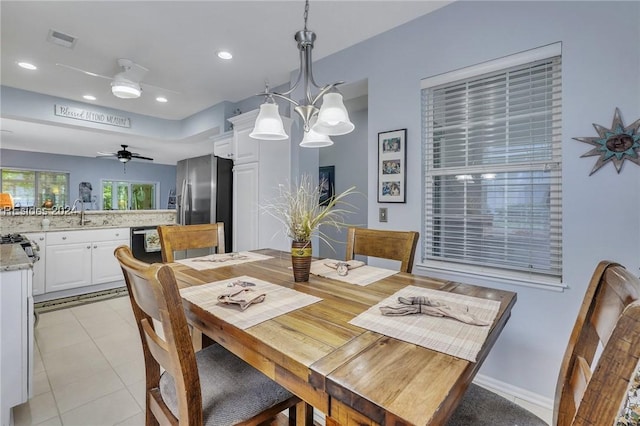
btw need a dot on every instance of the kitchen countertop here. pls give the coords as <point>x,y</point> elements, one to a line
<point>32,221</point>
<point>13,258</point>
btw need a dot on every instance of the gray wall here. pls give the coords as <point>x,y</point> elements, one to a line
<point>93,170</point>
<point>347,155</point>
<point>601,71</point>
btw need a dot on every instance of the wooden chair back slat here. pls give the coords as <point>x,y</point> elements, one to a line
<point>590,393</point>
<point>394,245</point>
<point>154,294</point>
<point>616,295</point>
<point>185,237</point>
<point>610,381</point>
<point>157,347</point>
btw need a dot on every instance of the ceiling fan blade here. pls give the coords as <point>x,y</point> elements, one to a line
<point>92,74</point>
<point>107,154</point>
<point>164,89</point>
<point>141,157</point>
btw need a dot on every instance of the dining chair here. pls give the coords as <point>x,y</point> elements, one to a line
<point>590,388</point>
<point>394,245</point>
<point>185,237</point>
<point>210,387</point>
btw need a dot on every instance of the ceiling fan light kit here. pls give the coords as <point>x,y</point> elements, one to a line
<point>125,89</point>
<point>332,119</point>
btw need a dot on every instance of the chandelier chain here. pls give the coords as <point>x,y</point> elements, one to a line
<point>306,14</point>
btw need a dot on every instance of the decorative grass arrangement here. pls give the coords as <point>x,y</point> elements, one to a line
<point>298,208</point>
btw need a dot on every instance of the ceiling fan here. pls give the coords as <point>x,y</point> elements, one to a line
<point>127,84</point>
<point>124,155</point>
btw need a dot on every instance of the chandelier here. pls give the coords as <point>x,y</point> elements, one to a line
<point>331,119</point>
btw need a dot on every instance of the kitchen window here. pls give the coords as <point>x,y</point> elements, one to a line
<point>492,168</point>
<point>124,195</point>
<point>32,188</point>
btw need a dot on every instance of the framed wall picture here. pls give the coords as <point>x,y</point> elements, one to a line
<point>392,165</point>
<point>326,183</point>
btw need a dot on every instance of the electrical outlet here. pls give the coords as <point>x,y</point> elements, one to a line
<point>382,215</point>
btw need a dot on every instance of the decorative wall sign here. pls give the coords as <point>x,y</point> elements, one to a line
<point>93,116</point>
<point>616,144</point>
<point>392,165</point>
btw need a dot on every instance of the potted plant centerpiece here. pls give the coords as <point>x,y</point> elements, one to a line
<point>299,209</point>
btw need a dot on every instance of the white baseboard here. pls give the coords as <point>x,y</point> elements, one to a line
<point>514,391</point>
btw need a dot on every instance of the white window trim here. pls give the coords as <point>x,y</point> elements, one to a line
<point>516,59</point>
<point>462,273</point>
<point>456,271</point>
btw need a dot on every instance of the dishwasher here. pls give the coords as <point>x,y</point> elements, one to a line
<point>145,244</point>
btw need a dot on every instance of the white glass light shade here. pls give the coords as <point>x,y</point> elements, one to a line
<point>125,89</point>
<point>314,139</point>
<point>269,124</point>
<point>333,118</point>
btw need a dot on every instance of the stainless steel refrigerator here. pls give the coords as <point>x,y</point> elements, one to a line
<point>204,193</point>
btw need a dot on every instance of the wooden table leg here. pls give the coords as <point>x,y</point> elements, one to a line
<point>304,414</point>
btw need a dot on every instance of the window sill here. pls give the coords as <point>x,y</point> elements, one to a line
<point>487,277</point>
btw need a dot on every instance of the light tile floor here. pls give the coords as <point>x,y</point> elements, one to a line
<point>89,369</point>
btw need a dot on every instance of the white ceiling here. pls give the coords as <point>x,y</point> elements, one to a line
<point>176,41</point>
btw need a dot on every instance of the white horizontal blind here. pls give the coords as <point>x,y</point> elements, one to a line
<point>492,187</point>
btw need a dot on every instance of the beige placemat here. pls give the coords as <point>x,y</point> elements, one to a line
<point>364,275</point>
<point>279,300</point>
<point>223,259</point>
<point>441,334</point>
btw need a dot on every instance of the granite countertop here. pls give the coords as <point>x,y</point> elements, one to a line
<point>13,258</point>
<point>38,221</point>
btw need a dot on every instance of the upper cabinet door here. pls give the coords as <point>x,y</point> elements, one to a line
<point>223,145</point>
<point>246,149</point>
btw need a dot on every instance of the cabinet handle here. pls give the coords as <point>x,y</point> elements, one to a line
<point>117,235</point>
<point>41,238</point>
<point>88,247</point>
<point>64,238</point>
<point>95,246</point>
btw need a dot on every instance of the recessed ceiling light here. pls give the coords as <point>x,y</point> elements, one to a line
<point>89,97</point>
<point>27,66</point>
<point>162,99</point>
<point>223,54</point>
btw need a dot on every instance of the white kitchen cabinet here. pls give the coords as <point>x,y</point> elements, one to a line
<point>246,149</point>
<point>16,340</point>
<point>83,258</point>
<point>104,265</point>
<point>259,168</point>
<point>39,240</point>
<point>245,214</point>
<point>223,145</point>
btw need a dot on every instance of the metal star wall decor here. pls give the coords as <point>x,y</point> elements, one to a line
<point>616,144</point>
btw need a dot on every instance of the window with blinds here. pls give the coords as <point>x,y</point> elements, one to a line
<point>492,181</point>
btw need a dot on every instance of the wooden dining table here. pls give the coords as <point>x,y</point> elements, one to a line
<point>351,374</point>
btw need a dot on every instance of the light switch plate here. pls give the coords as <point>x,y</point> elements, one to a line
<point>382,214</point>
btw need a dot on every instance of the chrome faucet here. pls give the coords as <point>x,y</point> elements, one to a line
<point>83,220</point>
